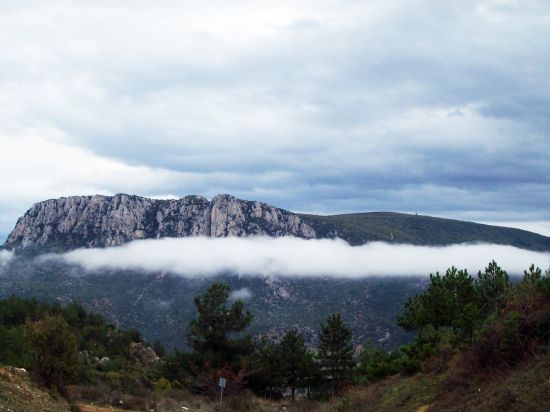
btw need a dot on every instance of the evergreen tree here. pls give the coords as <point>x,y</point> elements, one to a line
<point>336,351</point>
<point>294,361</point>
<point>533,275</point>
<point>493,287</point>
<point>210,335</point>
<point>268,377</point>
<point>450,301</point>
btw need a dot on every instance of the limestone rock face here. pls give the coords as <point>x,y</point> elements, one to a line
<point>100,221</point>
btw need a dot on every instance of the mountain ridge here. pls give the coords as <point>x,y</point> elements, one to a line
<point>101,221</point>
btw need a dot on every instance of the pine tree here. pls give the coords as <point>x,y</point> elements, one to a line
<point>493,287</point>
<point>210,334</point>
<point>294,361</point>
<point>450,301</point>
<point>336,351</point>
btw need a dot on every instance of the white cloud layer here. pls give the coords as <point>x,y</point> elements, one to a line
<point>288,256</point>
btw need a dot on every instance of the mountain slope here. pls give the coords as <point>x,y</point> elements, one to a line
<point>161,306</point>
<point>359,228</point>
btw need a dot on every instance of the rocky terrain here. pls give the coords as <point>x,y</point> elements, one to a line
<point>100,221</point>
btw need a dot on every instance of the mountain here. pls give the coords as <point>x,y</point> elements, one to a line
<point>100,221</point>
<point>160,304</point>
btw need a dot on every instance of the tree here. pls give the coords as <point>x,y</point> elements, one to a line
<point>535,277</point>
<point>450,301</point>
<point>53,350</point>
<point>294,361</point>
<point>268,376</point>
<point>493,288</point>
<point>211,335</point>
<point>336,351</point>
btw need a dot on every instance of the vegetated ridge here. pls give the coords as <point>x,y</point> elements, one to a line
<point>359,228</point>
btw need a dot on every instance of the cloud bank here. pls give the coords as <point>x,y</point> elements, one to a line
<point>288,256</point>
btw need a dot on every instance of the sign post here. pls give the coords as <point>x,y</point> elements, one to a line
<point>221,384</point>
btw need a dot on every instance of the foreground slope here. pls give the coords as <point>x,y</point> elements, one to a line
<point>19,393</point>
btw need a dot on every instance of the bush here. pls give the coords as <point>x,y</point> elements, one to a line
<point>53,352</point>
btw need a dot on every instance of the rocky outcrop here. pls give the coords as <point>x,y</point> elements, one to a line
<point>99,221</point>
<point>143,354</point>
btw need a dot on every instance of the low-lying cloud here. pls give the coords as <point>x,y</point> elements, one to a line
<point>288,256</point>
<point>240,294</point>
<point>5,257</point>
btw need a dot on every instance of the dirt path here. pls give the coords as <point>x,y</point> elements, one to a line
<point>95,408</point>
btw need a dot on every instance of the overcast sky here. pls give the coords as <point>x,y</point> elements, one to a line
<point>441,108</point>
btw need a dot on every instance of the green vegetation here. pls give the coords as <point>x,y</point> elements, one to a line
<point>470,331</point>
<point>52,349</point>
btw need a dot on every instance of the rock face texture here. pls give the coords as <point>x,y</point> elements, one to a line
<point>99,221</point>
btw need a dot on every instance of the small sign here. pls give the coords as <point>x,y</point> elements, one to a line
<point>222,382</point>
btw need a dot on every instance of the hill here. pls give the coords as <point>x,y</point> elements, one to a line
<point>359,228</point>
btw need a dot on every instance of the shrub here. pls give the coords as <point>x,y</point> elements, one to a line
<point>54,356</point>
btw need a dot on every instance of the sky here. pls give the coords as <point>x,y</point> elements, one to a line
<point>438,108</point>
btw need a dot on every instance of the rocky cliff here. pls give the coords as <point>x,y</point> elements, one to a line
<point>99,221</point>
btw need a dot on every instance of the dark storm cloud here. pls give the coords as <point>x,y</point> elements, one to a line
<point>329,106</point>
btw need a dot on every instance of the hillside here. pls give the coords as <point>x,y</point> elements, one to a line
<point>160,305</point>
<point>18,393</point>
<point>359,228</point>
<point>523,388</point>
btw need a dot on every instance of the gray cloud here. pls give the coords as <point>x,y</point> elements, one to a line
<point>296,257</point>
<point>322,106</point>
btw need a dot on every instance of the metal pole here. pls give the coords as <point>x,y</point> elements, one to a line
<point>221,395</point>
